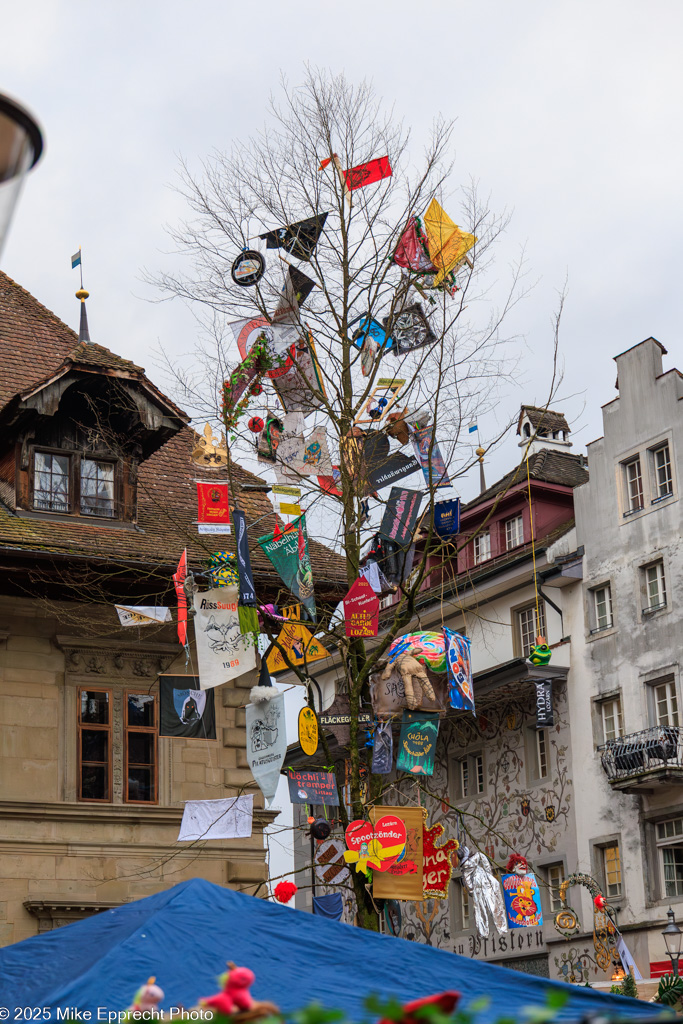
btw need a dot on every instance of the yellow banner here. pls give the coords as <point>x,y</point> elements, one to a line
<point>404,879</point>
<point>299,643</point>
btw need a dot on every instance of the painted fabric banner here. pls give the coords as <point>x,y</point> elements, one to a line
<point>459,668</point>
<point>289,554</point>
<point>230,818</point>
<point>142,614</point>
<point>438,861</point>
<point>247,591</point>
<point>361,610</point>
<point>422,441</point>
<point>383,749</point>
<point>312,787</point>
<point>266,742</point>
<point>222,652</point>
<point>447,517</point>
<point>544,703</point>
<point>184,709</point>
<point>213,507</point>
<point>522,901</point>
<point>403,880</point>
<point>417,743</point>
<point>400,516</point>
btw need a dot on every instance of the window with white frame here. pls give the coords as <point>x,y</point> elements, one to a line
<point>633,484</point>
<point>611,868</point>
<point>463,768</point>
<point>555,877</point>
<point>470,778</point>
<point>482,547</point>
<point>661,466</point>
<point>612,719</point>
<point>602,608</point>
<point>97,488</point>
<point>464,907</point>
<point>665,702</point>
<point>670,849</point>
<point>530,625</point>
<point>514,532</point>
<point>538,755</point>
<point>478,772</point>
<point>655,586</point>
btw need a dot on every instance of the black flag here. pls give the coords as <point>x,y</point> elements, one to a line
<point>544,703</point>
<point>299,239</point>
<point>185,710</point>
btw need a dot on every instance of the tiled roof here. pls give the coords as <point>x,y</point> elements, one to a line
<point>545,419</point>
<point>548,465</point>
<point>34,345</point>
<point>33,341</point>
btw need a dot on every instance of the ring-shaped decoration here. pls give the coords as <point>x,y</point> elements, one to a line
<point>248,268</point>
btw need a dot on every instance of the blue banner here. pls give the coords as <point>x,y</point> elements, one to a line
<point>522,901</point>
<point>447,517</point>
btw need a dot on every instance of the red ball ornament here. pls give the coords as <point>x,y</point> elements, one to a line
<point>284,891</point>
<point>256,424</point>
<point>600,901</point>
<point>256,389</point>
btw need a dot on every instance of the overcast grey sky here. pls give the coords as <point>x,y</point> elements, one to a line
<point>568,114</point>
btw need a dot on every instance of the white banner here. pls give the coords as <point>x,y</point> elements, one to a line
<point>222,652</point>
<point>142,615</point>
<point>230,818</point>
<point>213,528</point>
<point>266,743</point>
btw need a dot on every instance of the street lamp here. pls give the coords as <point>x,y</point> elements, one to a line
<point>21,143</point>
<point>672,937</point>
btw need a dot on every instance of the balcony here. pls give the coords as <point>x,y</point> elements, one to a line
<point>632,763</point>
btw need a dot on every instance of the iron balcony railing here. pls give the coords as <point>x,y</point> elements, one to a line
<point>643,752</point>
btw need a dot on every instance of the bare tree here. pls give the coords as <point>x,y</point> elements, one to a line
<point>295,169</point>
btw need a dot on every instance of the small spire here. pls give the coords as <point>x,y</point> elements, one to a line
<point>83,332</point>
<point>480,453</point>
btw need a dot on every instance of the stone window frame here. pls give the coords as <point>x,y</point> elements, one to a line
<point>110,665</point>
<point>645,453</point>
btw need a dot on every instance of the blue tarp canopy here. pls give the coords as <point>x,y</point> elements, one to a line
<point>184,936</point>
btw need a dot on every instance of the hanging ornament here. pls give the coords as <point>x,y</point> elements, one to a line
<point>248,268</point>
<point>320,829</point>
<point>255,390</point>
<point>284,891</point>
<point>540,653</point>
<point>256,424</point>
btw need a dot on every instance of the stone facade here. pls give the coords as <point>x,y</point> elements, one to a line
<point>61,859</point>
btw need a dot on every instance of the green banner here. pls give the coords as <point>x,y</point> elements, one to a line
<point>417,744</point>
<point>288,551</point>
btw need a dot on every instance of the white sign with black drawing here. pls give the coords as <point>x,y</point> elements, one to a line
<point>222,652</point>
<point>266,742</point>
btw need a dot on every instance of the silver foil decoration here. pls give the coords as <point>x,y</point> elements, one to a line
<point>485,892</point>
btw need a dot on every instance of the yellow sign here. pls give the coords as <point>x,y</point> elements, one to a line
<point>299,643</point>
<point>308,731</point>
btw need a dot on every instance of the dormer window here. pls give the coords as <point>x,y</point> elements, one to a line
<point>51,483</point>
<point>97,488</point>
<point>70,484</point>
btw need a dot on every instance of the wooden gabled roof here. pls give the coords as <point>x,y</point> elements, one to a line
<point>35,346</point>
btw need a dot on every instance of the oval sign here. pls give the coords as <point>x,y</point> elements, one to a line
<point>248,268</point>
<point>308,731</point>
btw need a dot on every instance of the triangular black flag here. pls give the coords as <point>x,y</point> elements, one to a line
<point>299,239</point>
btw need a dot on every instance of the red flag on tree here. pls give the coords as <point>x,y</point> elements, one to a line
<point>179,577</point>
<point>367,174</point>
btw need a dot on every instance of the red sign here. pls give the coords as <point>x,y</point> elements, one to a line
<point>361,610</point>
<point>212,500</point>
<point>378,846</point>
<point>367,174</point>
<point>438,862</point>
